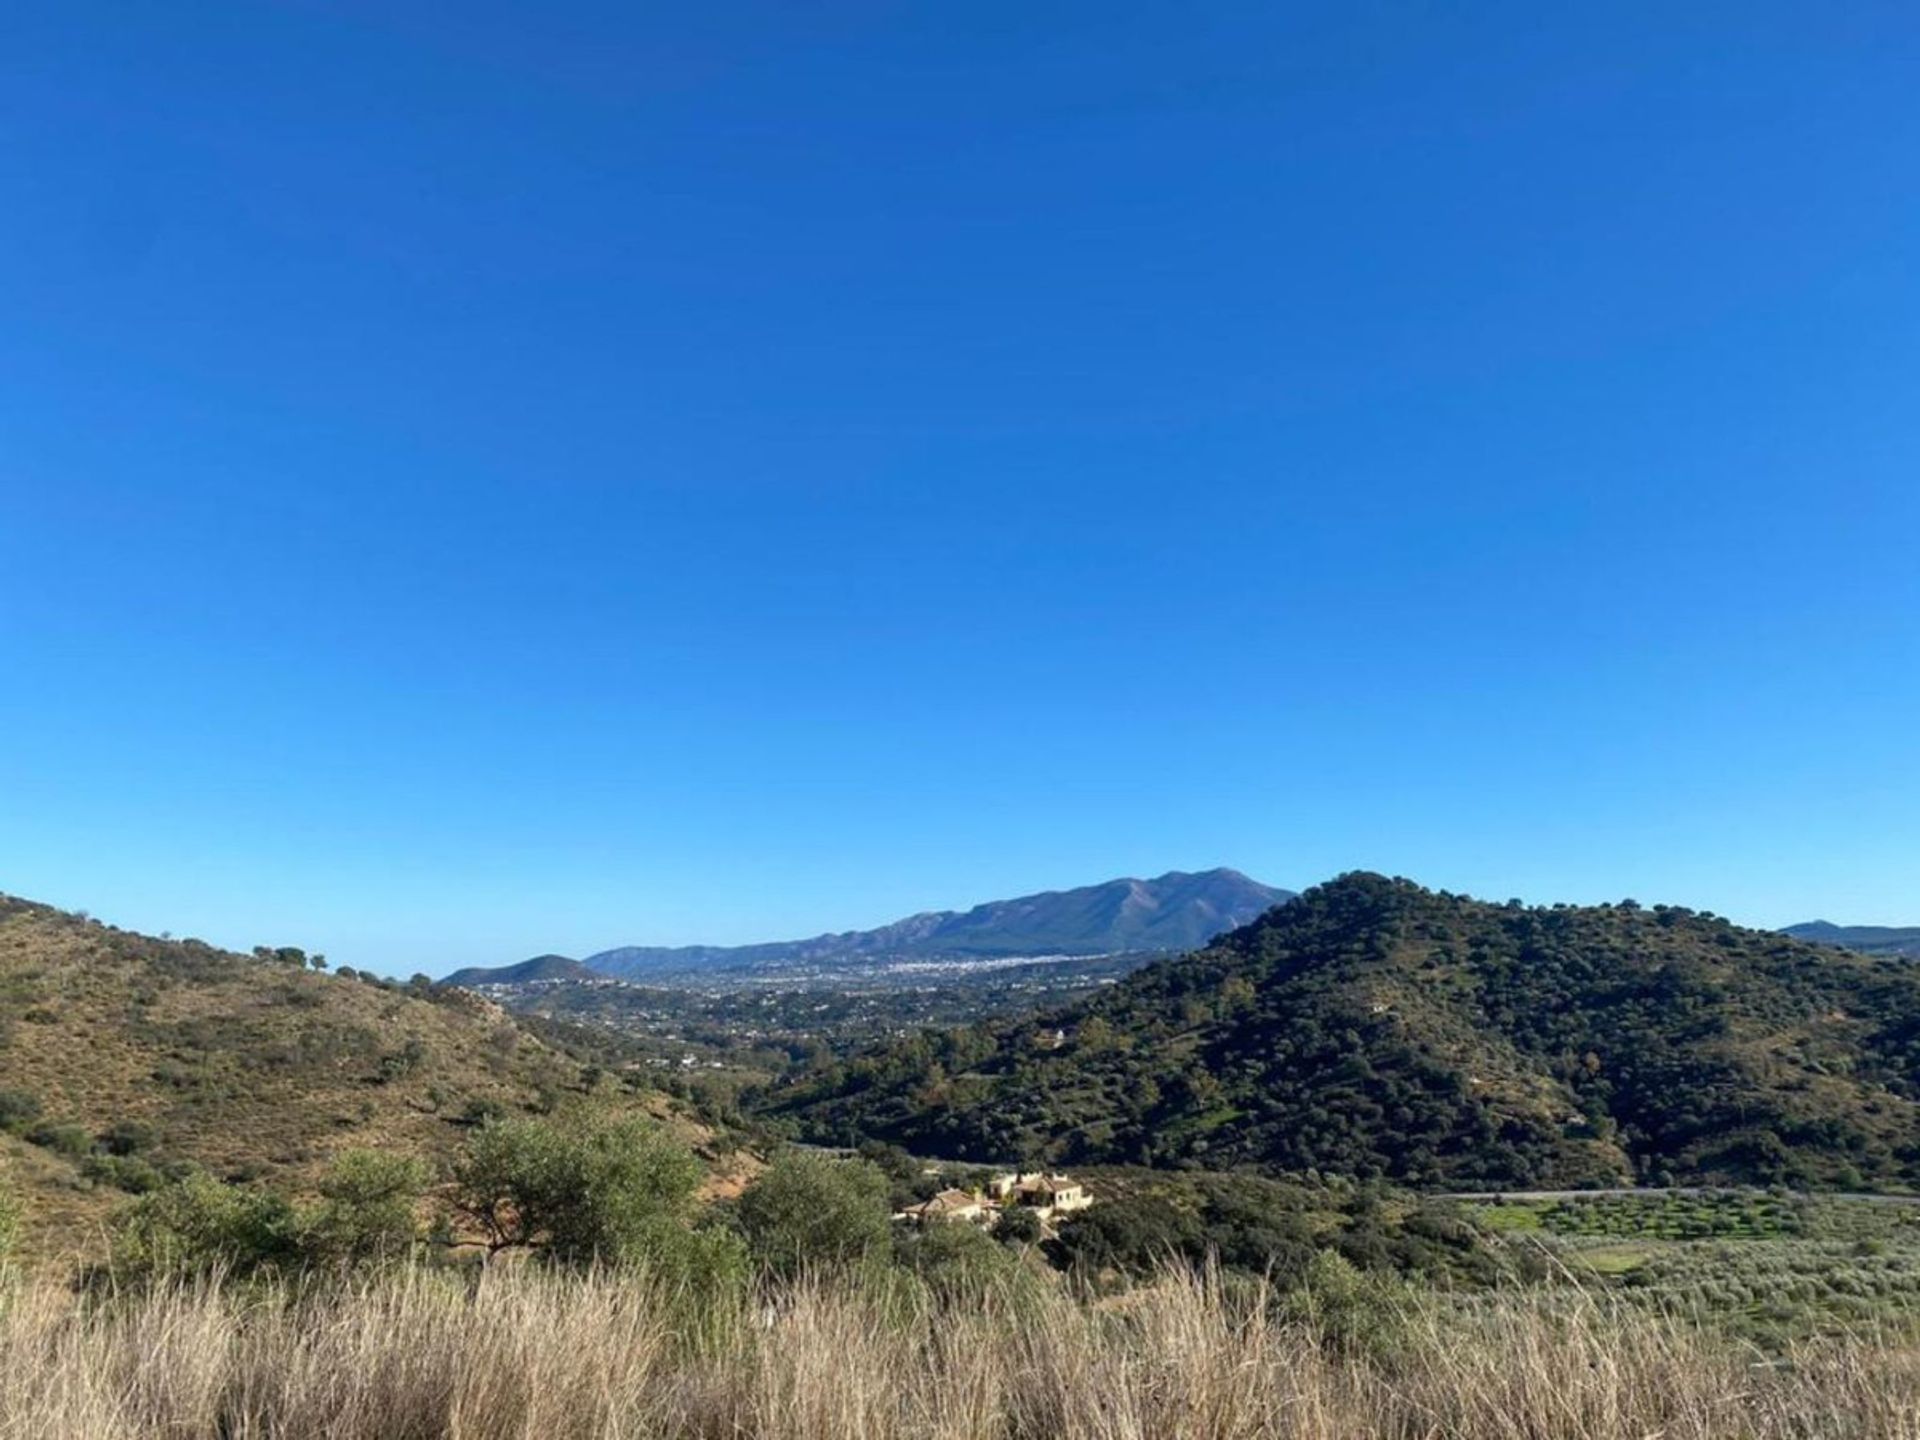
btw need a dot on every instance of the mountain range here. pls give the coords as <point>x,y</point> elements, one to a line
<point>1372,1027</point>
<point>1869,939</point>
<point>1172,912</point>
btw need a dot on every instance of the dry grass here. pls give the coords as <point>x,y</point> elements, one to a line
<point>533,1356</point>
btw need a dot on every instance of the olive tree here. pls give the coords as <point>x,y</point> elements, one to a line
<point>580,1188</point>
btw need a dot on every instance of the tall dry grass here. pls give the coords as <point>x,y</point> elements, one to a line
<point>542,1357</point>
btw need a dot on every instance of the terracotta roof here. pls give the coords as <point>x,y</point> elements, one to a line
<point>1050,1185</point>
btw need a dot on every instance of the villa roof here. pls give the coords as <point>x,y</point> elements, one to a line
<point>1050,1185</point>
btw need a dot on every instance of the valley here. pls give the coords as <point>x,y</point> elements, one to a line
<point>1369,1109</point>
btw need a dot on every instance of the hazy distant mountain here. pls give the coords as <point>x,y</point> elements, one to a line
<point>1871,939</point>
<point>1176,911</point>
<point>540,967</point>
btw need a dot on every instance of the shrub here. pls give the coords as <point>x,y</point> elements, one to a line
<point>956,1260</point>
<point>1347,1308</point>
<point>129,1137</point>
<point>18,1110</point>
<point>126,1172</point>
<point>200,1226</point>
<point>73,1141</point>
<point>398,1064</point>
<point>908,1185</point>
<point>812,1212</point>
<point>482,1110</point>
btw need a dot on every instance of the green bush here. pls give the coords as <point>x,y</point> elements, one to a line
<point>129,1137</point>
<point>811,1212</point>
<point>1347,1307</point>
<point>125,1172</point>
<point>957,1260</point>
<point>368,1210</point>
<point>483,1110</point>
<point>581,1188</point>
<point>73,1141</point>
<point>201,1226</point>
<point>1019,1225</point>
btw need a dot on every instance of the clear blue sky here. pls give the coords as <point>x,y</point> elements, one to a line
<point>478,479</point>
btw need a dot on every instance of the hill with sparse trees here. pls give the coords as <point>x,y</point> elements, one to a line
<point>127,1061</point>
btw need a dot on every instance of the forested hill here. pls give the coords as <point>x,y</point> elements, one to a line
<point>1373,1027</point>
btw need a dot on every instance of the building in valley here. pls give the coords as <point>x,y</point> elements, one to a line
<point>1048,1196</point>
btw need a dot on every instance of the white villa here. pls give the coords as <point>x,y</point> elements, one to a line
<point>1047,1195</point>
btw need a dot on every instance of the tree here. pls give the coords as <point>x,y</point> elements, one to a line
<point>1095,1035</point>
<point>956,1259</point>
<point>907,1184</point>
<point>1138,1234</point>
<point>581,1187</point>
<point>1236,995</point>
<point>368,1210</point>
<point>1019,1225</point>
<point>809,1211</point>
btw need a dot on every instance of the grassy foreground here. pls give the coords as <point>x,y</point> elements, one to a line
<point>529,1354</point>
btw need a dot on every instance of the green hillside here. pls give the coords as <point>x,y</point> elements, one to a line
<point>539,968</point>
<point>1373,1027</point>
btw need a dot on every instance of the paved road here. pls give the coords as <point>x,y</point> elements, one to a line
<point>1528,1195</point>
